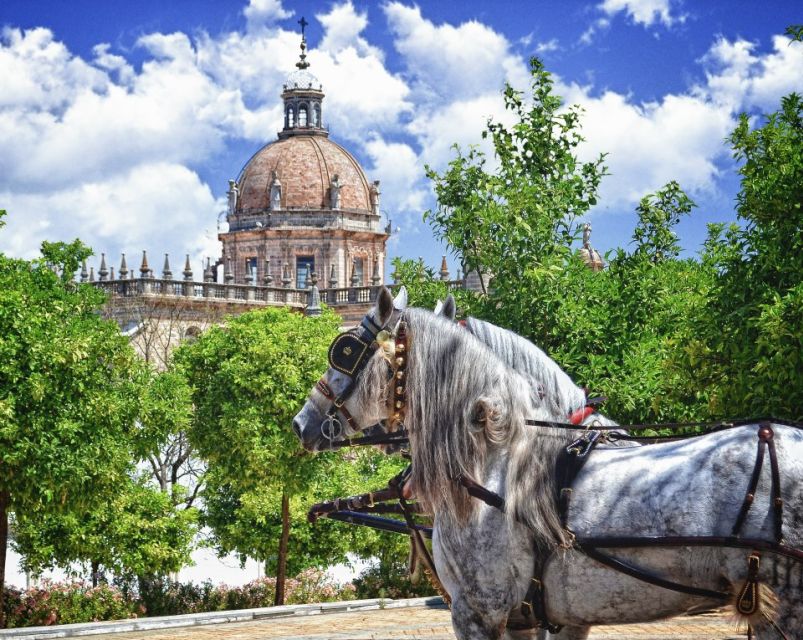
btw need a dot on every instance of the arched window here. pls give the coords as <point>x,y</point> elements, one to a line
<point>291,119</point>
<point>302,116</point>
<point>316,116</point>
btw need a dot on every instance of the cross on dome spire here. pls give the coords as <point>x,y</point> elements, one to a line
<point>302,63</point>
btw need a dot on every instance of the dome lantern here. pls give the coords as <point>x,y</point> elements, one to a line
<point>303,98</point>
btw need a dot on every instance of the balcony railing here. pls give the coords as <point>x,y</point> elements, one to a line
<point>225,293</point>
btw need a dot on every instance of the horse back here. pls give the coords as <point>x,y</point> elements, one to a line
<point>690,487</point>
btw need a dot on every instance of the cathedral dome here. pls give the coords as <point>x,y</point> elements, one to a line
<point>307,167</point>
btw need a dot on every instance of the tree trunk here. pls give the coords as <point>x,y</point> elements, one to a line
<point>281,565</point>
<point>3,547</point>
<point>95,573</point>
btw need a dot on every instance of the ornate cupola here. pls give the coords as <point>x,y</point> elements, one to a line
<point>302,204</point>
<point>303,96</point>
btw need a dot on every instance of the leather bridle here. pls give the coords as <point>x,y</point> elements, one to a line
<point>349,354</point>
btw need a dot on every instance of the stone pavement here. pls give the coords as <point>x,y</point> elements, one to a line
<point>432,623</point>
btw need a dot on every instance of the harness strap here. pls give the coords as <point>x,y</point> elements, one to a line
<point>568,464</point>
<point>382,438</point>
<point>416,540</point>
<point>337,404</point>
<point>777,500</point>
<point>751,488</point>
<point>534,604</point>
<point>646,576</point>
<point>476,490</point>
<point>766,440</point>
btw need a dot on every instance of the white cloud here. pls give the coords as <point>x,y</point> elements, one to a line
<point>600,24</point>
<point>739,78</point>
<point>262,13</point>
<point>40,74</point>
<point>84,125</point>
<point>644,12</point>
<point>361,95</point>
<point>460,122</point>
<point>343,26</point>
<point>160,207</point>
<point>679,138</point>
<point>441,64</point>
<point>547,47</point>
<point>112,63</point>
<point>401,172</point>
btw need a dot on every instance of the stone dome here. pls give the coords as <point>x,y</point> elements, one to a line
<point>306,166</point>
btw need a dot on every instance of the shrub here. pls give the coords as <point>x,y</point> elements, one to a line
<point>160,597</point>
<point>391,580</point>
<point>65,603</point>
<point>314,585</point>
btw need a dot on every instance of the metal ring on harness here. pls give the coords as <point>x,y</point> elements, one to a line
<point>331,427</point>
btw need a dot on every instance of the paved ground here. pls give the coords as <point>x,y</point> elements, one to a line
<point>418,622</point>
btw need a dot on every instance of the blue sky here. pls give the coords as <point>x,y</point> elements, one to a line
<point>121,122</point>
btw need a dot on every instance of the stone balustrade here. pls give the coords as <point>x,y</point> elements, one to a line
<point>205,291</point>
<point>286,219</point>
<point>348,301</point>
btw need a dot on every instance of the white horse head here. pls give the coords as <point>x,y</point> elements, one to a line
<point>336,407</point>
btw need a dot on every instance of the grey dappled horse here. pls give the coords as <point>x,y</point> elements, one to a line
<point>465,412</point>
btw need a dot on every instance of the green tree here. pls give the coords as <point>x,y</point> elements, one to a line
<point>424,288</point>
<point>146,528</point>
<point>522,213</point>
<point>69,392</point>
<point>612,330</point>
<point>249,378</point>
<point>658,213</point>
<point>747,342</point>
<point>139,532</point>
<point>162,444</point>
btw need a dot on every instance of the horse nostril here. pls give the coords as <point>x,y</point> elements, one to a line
<point>297,427</point>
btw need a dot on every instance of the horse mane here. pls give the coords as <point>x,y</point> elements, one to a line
<point>552,385</point>
<point>466,407</point>
<point>556,389</point>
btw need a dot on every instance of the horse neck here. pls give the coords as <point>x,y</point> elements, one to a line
<point>465,411</point>
<point>554,388</point>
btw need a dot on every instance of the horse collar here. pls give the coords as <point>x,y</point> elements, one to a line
<point>399,376</point>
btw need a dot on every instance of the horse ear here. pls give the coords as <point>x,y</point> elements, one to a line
<point>449,309</point>
<point>384,306</point>
<point>438,308</point>
<point>400,301</point>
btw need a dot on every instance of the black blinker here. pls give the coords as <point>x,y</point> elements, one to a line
<point>346,353</point>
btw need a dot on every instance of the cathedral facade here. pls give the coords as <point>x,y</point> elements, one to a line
<point>304,227</point>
